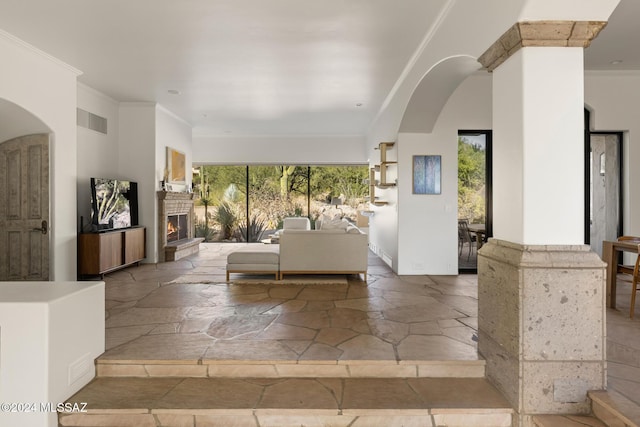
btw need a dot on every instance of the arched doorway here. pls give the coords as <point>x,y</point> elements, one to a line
<point>24,195</point>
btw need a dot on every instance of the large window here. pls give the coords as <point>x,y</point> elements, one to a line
<point>246,203</point>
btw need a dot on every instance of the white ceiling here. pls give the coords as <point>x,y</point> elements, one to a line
<point>256,67</point>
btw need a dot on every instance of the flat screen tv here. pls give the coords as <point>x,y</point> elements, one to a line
<point>114,204</point>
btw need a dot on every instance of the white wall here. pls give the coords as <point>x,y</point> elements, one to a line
<point>174,132</point>
<point>482,26</point>
<point>427,224</point>
<point>137,160</point>
<point>46,88</point>
<point>97,152</point>
<point>134,148</point>
<point>426,232</point>
<point>279,150</point>
<point>614,101</point>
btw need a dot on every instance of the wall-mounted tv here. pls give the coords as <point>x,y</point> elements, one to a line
<point>114,204</point>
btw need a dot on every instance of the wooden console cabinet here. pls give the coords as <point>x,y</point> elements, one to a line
<point>100,253</point>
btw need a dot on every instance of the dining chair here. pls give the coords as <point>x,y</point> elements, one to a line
<point>633,270</point>
<point>634,285</point>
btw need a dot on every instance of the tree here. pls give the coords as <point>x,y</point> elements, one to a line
<point>334,181</point>
<point>471,181</point>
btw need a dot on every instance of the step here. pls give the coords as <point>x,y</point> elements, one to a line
<point>567,421</point>
<point>614,409</point>
<point>204,368</point>
<point>281,402</point>
<point>610,409</point>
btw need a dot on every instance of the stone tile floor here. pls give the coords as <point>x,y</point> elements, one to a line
<point>184,311</point>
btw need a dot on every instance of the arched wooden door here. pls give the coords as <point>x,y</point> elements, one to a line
<point>24,208</point>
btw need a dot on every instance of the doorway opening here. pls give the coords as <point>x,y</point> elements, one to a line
<point>475,218</point>
<point>603,187</point>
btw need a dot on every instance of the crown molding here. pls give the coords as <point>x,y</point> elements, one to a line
<point>612,73</point>
<point>97,93</point>
<point>31,48</point>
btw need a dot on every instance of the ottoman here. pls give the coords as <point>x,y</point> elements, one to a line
<point>254,261</point>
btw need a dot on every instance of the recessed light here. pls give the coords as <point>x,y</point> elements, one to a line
<point>359,104</point>
<point>174,91</point>
<point>616,62</point>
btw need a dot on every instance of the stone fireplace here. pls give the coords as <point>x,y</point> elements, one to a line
<point>176,226</point>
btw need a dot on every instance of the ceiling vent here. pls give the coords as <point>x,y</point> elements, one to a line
<point>91,121</point>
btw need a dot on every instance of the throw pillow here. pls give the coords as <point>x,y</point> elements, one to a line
<point>352,229</point>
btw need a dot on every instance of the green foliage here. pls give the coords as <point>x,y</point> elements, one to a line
<point>471,181</point>
<point>215,180</point>
<point>335,181</point>
<point>232,194</point>
<point>255,229</point>
<point>203,230</point>
<point>226,216</point>
<point>275,192</point>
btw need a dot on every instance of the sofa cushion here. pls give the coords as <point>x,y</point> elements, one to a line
<point>296,223</point>
<point>253,257</point>
<point>329,223</point>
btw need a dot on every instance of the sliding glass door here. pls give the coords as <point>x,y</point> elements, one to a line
<point>474,196</point>
<point>249,202</point>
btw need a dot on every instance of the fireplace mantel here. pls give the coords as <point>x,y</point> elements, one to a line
<point>174,203</point>
<point>172,195</point>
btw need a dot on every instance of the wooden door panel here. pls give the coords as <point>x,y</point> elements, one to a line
<point>24,208</point>
<point>14,247</point>
<point>34,182</point>
<point>35,269</point>
<point>14,200</point>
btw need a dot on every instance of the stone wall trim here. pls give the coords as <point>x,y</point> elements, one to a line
<point>540,34</point>
<point>542,256</point>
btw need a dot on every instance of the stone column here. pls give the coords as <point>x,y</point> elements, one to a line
<point>541,325</point>
<point>541,310</point>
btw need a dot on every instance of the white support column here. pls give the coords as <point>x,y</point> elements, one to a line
<point>538,145</point>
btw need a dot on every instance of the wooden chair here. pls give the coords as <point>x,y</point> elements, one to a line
<point>634,271</point>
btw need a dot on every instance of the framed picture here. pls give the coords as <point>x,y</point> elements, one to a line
<point>176,167</point>
<point>426,174</point>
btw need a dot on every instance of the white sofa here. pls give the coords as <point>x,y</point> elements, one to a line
<point>296,223</point>
<point>330,251</point>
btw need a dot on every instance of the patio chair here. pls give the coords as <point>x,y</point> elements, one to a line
<point>465,236</point>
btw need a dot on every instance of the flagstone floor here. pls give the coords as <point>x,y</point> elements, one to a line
<point>184,310</point>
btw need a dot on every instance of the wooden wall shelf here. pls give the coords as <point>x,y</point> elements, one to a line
<point>382,169</point>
